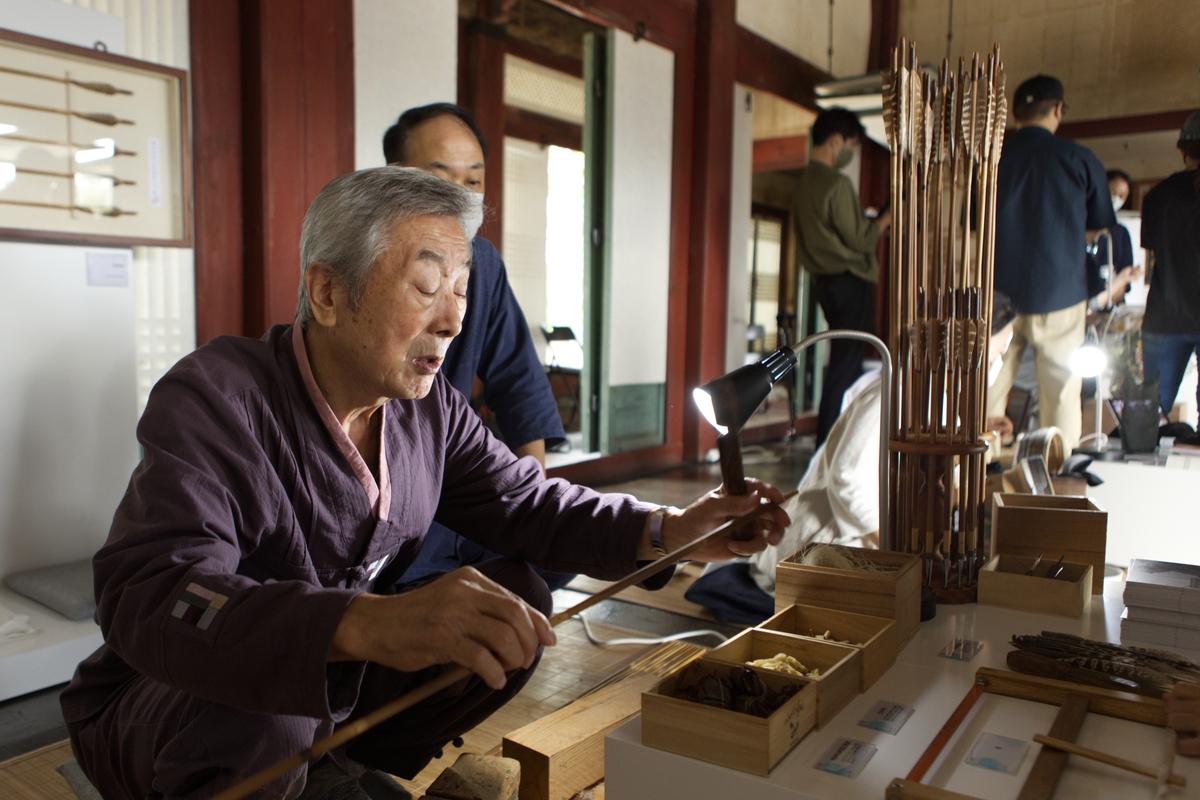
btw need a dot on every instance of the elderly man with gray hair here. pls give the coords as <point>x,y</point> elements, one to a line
<point>243,591</point>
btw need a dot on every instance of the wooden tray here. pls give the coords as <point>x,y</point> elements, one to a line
<point>727,738</point>
<point>840,665</point>
<point>1003,583</point>
<point>1054,525</point>
<point>894,595</point>
<point>874,637</point>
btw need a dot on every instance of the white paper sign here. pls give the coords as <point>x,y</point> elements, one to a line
<point>886,716</point>
<point>154,197</point>
<point>846,757</point>
<point>108,269</point>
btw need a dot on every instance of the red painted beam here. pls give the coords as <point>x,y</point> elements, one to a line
<point>1115,126</point>
<point>486,43</point>
<point>786,152</point>
<point>669,23</point>
<point>298,117</point>
<point>214,33</point>
<point>708,273</point>
<point>532,127</point>
<point>767,66</point>
<point>544,57</point>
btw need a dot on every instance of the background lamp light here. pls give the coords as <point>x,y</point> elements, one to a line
<point>729,401</point>
<point>1089,360</point>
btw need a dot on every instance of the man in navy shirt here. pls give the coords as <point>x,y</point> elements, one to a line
<point>495,345</point>
<point>1050,193</point>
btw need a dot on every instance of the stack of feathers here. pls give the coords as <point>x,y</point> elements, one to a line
<point>1111,666</point>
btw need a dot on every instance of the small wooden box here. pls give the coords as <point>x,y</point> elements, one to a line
<point>1053,525</point>
<point>840,665</point>
<point>727,738</point>
<point>872,636</point>
<point>1003,583</point>
<point>895,594</point>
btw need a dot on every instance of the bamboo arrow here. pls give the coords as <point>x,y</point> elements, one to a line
<point>116,181</point>
<point>446,679</point>
<point>33,140</point>
<point>112,212</point>
<point>91,86</point>
<point>103,119</point>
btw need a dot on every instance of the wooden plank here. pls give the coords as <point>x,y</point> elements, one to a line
<point>563,752</point>
<point>765,65</point>
<point>214,33</point>
<point>785,152</point>
<point>1116,126</point>
<point>539,128</point>
<point>1049,766</point>
<point>712,176</point>
<point>1121,705</point>
<point>901,789</point>
<point>486,45</point>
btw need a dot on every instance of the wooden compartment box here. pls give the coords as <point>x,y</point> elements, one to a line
<point>1054,525</point>
<point>840,665</point>
<point>727,738</point>
<point>1003,583</point>
<point>874,637</point>
<point>894,594</point>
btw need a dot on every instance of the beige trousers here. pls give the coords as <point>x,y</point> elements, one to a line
<point>1054,337</point>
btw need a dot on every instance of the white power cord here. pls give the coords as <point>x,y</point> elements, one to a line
<point>674,637</point>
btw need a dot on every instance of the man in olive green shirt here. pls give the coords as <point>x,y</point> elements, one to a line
<point>836,243</point>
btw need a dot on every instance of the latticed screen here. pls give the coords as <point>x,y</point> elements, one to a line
<point>766,241</point>
<point>533,87</point>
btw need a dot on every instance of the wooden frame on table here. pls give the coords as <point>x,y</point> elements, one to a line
<point>1075,702</point>
<point>94,147</point>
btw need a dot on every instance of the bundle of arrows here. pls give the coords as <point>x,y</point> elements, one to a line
<point>945,131</point>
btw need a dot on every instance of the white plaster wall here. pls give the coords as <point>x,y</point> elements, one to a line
<point>81,359</point>
<point>643,94</point>
<point>739,227</point>
<point>405,55</point>
<point>802,28</point>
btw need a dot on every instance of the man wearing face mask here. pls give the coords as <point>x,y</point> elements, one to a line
<point>494,345</point>
<point>836,243</point>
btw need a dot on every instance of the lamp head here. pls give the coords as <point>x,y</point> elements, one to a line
<point>729,401</point>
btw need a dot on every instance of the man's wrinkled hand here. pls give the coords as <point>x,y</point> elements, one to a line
<point>715,508</point>
<point>463,618</point>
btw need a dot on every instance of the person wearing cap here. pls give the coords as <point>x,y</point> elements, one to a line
<point>1171,236</point>
<point>1050,193</point>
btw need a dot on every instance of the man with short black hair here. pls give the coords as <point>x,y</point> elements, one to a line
<point>443,139</point>
<point>836,243</point>
<point>1050,193</point>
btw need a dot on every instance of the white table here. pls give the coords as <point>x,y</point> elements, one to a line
<point>934,686</point>
<point>1152,511</point>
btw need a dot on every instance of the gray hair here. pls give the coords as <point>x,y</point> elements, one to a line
<point>346,228</point>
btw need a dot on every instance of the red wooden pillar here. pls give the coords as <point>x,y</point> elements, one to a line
<point>875,180</point>
<point>484,96</point>
<point>214,29</point>
<point>298,118</point>
<point>708,262</point>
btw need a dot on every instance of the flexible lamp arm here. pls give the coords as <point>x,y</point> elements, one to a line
<point>885,414</point>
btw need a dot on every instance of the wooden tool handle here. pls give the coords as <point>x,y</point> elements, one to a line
<point>1104,758</point>
<point>423,692</point>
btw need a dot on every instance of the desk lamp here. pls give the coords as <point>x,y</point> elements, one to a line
<point>729,401</point>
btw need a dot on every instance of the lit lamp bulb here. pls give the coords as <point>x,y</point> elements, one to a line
<point>1089,360</point>
<point>705,404</point>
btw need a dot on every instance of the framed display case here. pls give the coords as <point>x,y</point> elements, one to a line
<point>93,147</point>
